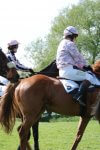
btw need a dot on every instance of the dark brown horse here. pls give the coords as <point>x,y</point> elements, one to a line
<point>7,69</point>
<point>32,96</point>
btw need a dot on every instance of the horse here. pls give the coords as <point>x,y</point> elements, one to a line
<point>51,71</point>
<point>32,96</point>
<point>7,68</point>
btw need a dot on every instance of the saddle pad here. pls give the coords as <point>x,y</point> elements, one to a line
<point>69,85</point>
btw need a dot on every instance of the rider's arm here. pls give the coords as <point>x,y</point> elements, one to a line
<point>19,66</point>
<point>76,55</point>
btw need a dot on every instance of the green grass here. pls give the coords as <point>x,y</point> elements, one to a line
<point>57,136</point>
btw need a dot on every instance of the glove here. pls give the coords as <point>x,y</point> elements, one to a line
<point>31,71</point>
<point>87,68</point>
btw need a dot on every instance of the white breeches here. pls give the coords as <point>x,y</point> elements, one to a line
<point>74,74</point>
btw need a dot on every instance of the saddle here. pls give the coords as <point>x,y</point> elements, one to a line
<point>69,85</point>
<point>72,86</point>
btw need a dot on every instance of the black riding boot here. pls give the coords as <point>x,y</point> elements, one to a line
<point>82,89</point>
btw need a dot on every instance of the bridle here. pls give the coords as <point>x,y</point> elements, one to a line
<point>5,69</point>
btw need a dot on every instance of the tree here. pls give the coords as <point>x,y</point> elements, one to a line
<point>37,52</point>
<point>86,17</point>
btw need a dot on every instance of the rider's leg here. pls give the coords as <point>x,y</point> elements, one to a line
<point>77,75</point>
<point>82,89</point>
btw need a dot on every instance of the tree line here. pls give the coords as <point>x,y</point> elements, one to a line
<point>85,16</point>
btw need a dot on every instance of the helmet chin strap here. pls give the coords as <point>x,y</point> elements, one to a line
<point>11,65</point>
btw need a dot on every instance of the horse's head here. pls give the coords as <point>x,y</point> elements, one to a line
<point>7,69</point>
<point>96,67</point>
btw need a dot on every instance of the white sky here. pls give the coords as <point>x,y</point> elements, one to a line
<point>25,20</point>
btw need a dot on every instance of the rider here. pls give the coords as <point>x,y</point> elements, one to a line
<point>70,62</point>
<point>12,49</point>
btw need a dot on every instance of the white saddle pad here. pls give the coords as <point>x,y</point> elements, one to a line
<point>70,85</point>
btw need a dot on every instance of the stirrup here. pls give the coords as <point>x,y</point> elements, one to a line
<point>80,101</point>
<point>77,98</point>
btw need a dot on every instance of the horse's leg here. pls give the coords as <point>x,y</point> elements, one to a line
<point>26,138</point>
<point>28,147</point>
<point>18,131</point>
<point>36,135</point>
<point>29,134</point>
<point>81,128</point>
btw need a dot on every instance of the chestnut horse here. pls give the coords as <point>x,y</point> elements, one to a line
<point>51,71</point>
<point>7,69</point>
<point>33,95</point>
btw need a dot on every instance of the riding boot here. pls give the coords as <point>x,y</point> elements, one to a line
<point>82,89</point>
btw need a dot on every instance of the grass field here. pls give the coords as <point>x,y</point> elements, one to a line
<point>57,136</point>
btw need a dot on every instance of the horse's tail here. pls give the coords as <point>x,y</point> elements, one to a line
<point>97,112</point>
<point>8,113</point>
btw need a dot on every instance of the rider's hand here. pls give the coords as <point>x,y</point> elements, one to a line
<point>87,68</point>
<point>31,71</point>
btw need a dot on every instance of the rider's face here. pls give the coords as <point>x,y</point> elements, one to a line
<point>15,49</point>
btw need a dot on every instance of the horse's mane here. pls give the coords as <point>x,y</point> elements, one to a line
<point>96,67</point>
<point>3,58</point>
<point>50,70</point>
<point>3,62</point>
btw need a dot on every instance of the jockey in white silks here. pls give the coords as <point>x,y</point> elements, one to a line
<point>70,62</point>
<point>3,85</point>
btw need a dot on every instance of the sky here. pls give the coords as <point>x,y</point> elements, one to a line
<point>26,20</point>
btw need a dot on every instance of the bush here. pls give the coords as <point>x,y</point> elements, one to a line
<point>54,117</point>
